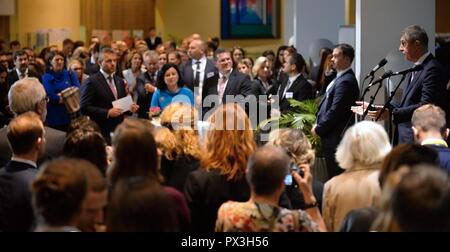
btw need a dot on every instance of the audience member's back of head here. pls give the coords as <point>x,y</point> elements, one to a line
<point>59,191</point>
<point>267,168</point>
<point>135,152</point>
<point>230,141</point>
<point>409,155</point>
<point>27,95</point>
<point>24,132</point>
<point>87,145</point>
<point>421,200</point>
<point>84,123</point>
<point>295,143</point>
<point>365,143</point>
<point>139,204</point>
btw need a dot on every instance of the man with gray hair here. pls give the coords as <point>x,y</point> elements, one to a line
<point>422,87</point>
<point>29,95</point>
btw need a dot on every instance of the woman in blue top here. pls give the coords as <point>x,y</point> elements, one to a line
<point>55,80</point>
<point>170,89</point>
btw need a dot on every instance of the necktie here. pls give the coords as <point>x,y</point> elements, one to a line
<point>412,76</point>
<point>112,87</point>
<point>221,90</point>
<point>22,75</point>
<point>197,74</point>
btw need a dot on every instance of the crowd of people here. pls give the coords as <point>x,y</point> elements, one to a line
<point>109,168</point>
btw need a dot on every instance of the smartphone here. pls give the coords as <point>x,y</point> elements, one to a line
<point>289,180</point>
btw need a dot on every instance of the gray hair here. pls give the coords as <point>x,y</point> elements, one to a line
<point>258,63</point>
<point>415,32</point>
<point>25,94</point>
<point>365,143</point>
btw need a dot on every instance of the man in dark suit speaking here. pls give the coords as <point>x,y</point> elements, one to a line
<point>423,87</point>
<point>335,108</point>
<point>100,90</point>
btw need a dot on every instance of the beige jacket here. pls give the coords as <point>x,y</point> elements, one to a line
<point>355,188</point>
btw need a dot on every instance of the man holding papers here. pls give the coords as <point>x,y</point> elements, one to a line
<point>100,91</point>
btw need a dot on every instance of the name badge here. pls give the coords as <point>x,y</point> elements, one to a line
<point>209,75</point>
<point>289,95</point>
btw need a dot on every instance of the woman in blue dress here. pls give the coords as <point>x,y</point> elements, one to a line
<point>170,89</point>
<point>55,80</point>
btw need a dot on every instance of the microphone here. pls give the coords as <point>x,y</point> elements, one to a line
<point>380,65</point>
<point>413,69</point>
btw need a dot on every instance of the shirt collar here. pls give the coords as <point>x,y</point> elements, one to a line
<point>421,59</point>
<point>293,78</point>
<point>340,73</point>
<point>106,75</point>
<point>434,141</point>
<point>25,161</point>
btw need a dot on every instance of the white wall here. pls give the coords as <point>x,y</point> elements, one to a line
<point>317,19</point>
<point>378,27</point>
<point>288,16</point>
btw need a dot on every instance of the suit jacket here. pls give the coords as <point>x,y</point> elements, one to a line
<point>144,98</point>
<point>334,110</point>
<point>301,90</point>
<point>238,84</point>
<point>16,212</point>
<point>187,73</point>
<point>96,100</point>
<point>152,46</point>
<point>13,77</point>
<point>91,68</point>
<point>54,144</point>
<point>426,87</point>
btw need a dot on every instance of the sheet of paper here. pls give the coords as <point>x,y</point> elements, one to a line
<point>124,103</point>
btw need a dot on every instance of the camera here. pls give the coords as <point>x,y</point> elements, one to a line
<point>289,180</point>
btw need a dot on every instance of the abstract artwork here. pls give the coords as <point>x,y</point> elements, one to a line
<point>250,19</point>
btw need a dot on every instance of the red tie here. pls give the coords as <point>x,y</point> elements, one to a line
<point>112,87</point>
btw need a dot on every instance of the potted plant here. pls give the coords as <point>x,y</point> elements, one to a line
<point>303,117</point>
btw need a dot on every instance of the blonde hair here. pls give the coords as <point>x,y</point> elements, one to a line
<point>229,143</point>
<point>365,143</point>
<point>178,137</point>
<point>258,63</point>
<point>295,143</point>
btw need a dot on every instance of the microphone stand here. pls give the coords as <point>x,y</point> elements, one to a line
<point>391,97</point>
<point>372,99</point>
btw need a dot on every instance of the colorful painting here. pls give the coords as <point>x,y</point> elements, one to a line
<point>250,19</point>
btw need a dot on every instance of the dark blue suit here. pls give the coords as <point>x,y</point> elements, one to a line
<point>96,100</point>
<point>334,114</point>
<point>301,90</point>
<point>16,212</point>
<point>426,87</point>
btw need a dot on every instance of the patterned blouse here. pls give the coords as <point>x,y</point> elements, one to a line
<point>257,217</point>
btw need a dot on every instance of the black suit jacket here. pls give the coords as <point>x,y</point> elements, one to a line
<point>238,84</point>
<point>13,77</point>
<point>96,100</point>
<point>16,212</point>
<point>187,73</point>
<point>54,144</point>
<point>152,46</point>
<point>144,98</point>
<point>91,68</point>
<point>426,87</point>
<point>334,111</point>
<point>301,90</point>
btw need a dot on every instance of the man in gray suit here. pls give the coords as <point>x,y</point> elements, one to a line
<point>29,95</point>
<point>198,69</point>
